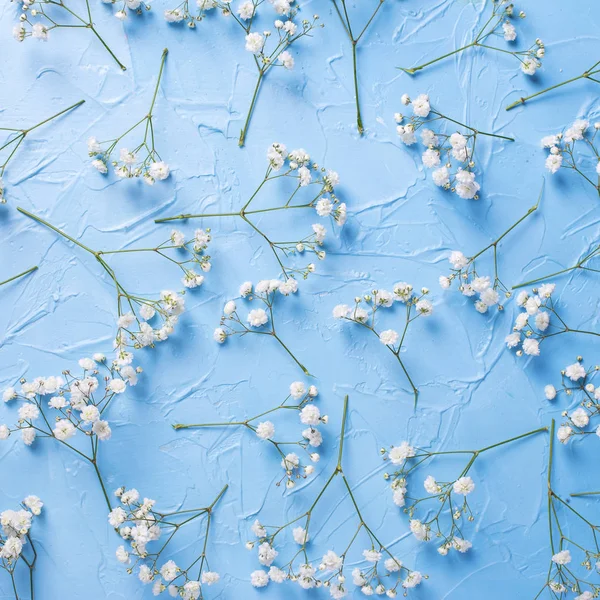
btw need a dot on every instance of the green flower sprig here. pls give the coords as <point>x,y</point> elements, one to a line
<point>294,166</point>
<point>355,38</point>
<point>443,523</point>
<point>299,399</point>
<point>385,574</point>
<point>562,580</point>
<point>139,523</point>
<point>39,17</point>
<point>16,542</point>
<point>591,74</point>
<point>16,138</point>
<point>499,24</point>
<point>267,50</point>
<point>415,306</point>
<point>134,312</point>
<point>149,164</point>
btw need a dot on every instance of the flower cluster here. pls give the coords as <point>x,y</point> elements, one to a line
<point>306,177</point>
<point>415,306</point>
<point>39,17</point>
<point>125,6</point>
<point>533,325</point>
<point>143,160</point>
<point>142,321</point>
<point>265,293</point>
<point>451,155</point>
<point>16,540</point>
<point>140,524</point>
<point>577,382</point>
<point>450,497</point>
<point>268,50</point>
<point>562,152</point>
<point>500,24</point>
<point>15,139</point>
<point>570,533</point>
<point>70,407</point>
<point>300,399</point>
<point>383,573</point>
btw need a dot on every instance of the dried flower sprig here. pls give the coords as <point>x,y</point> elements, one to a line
<point>443,148</point>
<point>144,160</point>
<point>78,404</point>
<point>329,572</point>
<point>471,282</point>
<point>267,50</point>
<point>530,335</point>
<point>562,580</point>
<point>265,292</point>
<point>42,16</point>
<point>16,138</point>
<point>293,166</point>
<point>499,25</point>
<point>577,383</point>
<point>587,74</point>
<point>579,265</point>
<point>562,150</point>
<point>140,524</point>
<point>416,306</point>
<point>444,523</point>
<point>302,401</point>
<point>354,41</point>
<point>135,6</point>
<point>16,543</point>
<point>19,275</point>
<point>133,309</point>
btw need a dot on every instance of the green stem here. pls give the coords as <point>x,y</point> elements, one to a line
<point>121,65</point>
<point>359,122</point>
<point>244,131</point>
<point>578,494</point>
<point>304,369</point>
<point>431,62</point>
<point>58,114</point>
<point>524,99</point>
<point>95,463</point>
<point>19,275</point>
<point>160,72</point>
<point>343,433</point>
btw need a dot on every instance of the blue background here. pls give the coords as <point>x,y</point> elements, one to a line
<point>473,391</point>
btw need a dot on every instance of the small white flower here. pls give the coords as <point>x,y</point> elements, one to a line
<point>463,486</point>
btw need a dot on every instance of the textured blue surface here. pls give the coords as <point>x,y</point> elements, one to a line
<point>473,391</point>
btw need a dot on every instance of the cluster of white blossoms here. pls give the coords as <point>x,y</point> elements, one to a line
<point>39,17</point>
<point>416,305</point>
<point>256,320</point>
<point>143,160</point>
<point>144,321</point>
<point>313,188</point>
<point>578,385</point>
<point>500,24</point>
<point>384,574</point>
<point>533,325</point>
<point>140,524</point>
<point>562,580</point>
<point>449,496</point>
<point>450,155</point>
<point>136,6</point>
<point>300,398</point>
<point>471,284</point>
<point>268,50</point>
<point>562,150</point>
<point>76,403</point>
<point>15,539</point>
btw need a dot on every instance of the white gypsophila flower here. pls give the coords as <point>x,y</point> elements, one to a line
<point>562,558</point>
<point>341,311</point>
<point>424,307</point>
<point>297,390</point>
<point>372,556</point>
<point>579,417</point>
<point>398,454</point>
<point>463,486</point>
<point>266,554</point>
<point>441,177</point>
<point>550,392</point>
<point>300,535</point>
<point>219,335</point>
<point>287,60</point>
<point>421,106</point>
<point>277,575</point>
<point>255,42</point>
<point>420,530</point>
<point>265,430</point>
<point>210,577</point>
<point>531,347</point>
<point>389,337</point>
<point>564,433</point>
<point>553,162</point>
<point>310,415</point>
<point>331,561</point>
<point>257,317</point>
<point>575,371</point>
<point>246,11</point>
<point>34,504</point>
<point>412,580</point>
